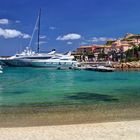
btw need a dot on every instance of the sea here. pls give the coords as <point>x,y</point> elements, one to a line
<point>49,88</point>
<point>30,86</point>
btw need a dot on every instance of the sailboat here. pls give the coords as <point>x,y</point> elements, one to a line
<point>29,58</point>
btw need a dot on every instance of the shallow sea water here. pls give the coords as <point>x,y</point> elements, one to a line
<point>43,87</point>
<point>38,96</point>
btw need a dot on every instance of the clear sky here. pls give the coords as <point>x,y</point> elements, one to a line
<point>66,24</point>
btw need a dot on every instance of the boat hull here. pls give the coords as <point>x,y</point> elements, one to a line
<point>40,63</point>
<point>55,64</point>
<point>16,63</point>
<point>99,69</point>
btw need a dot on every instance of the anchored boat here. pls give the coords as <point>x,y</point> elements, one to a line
<point>97,68</point>
<point>29,58</point>
<point>104,69</point>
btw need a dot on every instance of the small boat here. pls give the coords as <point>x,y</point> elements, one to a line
<point>96,68</point>
<point>104,69</point>
<point>1,69</point>
<point>86,67</point>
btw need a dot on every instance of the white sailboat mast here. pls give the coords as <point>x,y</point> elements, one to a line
<point>37,27</point>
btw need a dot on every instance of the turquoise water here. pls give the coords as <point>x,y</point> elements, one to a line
<point>43,87</point>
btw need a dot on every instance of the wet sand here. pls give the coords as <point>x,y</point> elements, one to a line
<point>45,116</point>
<point>127,130</point>
<point>96,122</point>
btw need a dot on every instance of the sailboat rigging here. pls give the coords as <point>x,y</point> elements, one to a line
<point>38,48</point>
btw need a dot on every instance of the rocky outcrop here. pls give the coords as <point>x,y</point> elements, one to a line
<point>128,65</point>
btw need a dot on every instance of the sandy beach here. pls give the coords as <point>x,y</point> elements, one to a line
<point>126,130</point>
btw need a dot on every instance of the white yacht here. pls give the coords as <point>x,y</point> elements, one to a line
<point>58,61</point>
<point>25,58</point>
<point>29,58</point>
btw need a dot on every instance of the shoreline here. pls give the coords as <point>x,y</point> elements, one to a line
<point>43,116</point>
<point>126,66</point>
<point>112,130</point>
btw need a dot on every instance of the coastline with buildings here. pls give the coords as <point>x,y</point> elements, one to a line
<point>80,99</point>
<point>69,70</point>
<point>122,53</point>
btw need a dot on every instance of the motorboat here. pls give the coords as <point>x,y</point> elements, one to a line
<point>104,69</point>
<point>30,58</point>
<point>52,59</point>
<point>25,58</point>
<point>58,61</point>
<point>99,68</point>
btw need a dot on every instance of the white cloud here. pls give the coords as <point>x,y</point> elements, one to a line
<point>26,36</point>
<point>69,43</point>
<point>12,33</point>
<point>4,21</point>
<point>41,42</point>
<point>42,37</point>
<point>100,39</point>
<point>52,28</point>
<point>72,36</point>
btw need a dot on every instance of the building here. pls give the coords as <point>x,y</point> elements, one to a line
<point>113,50</point>
<point>92,49</point>
<point>121,46</point>
<point>92,52</point>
